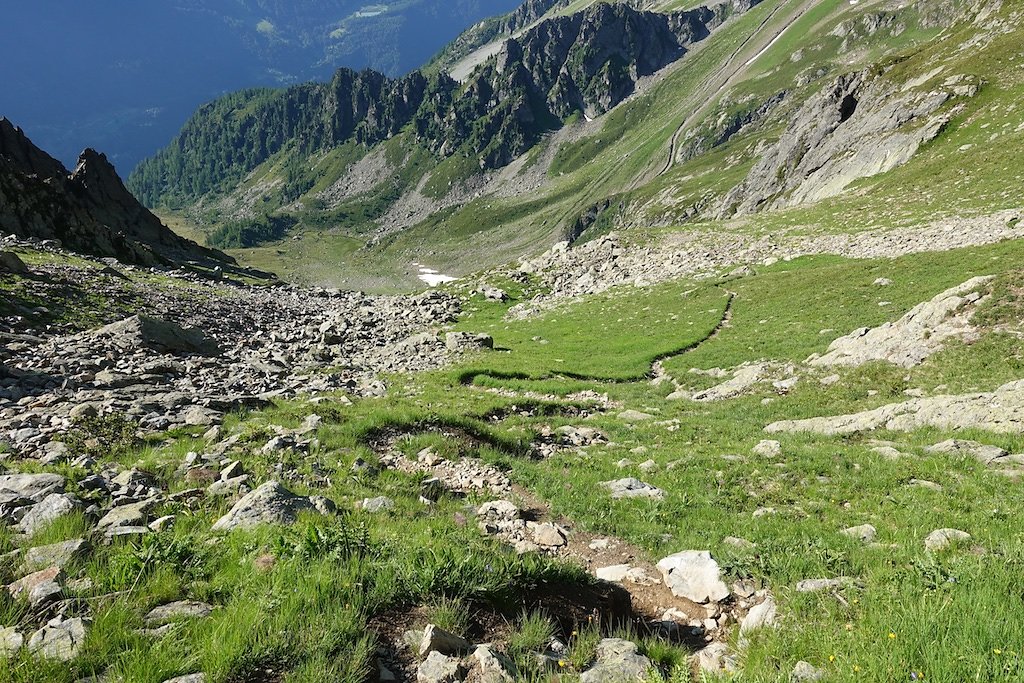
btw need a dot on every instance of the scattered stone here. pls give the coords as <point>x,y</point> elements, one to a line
<point>436,639</point>
<point>11,642</point>
<point>57,555</point>
<point>717,658</point>
<point>818,585</point>
<point>378,504</point>
<point>864,533</point>
<point>634,416</point>
<point>498,511</point>
<point>633,488</point>
<point>618,661</point>
<point>940,539</point>
<point>548,535</point>
<point>190,678</point>
<point>804,672</point>
<point>695,575</point>
<point>768,449</point>
<point>12,263</point>
<point>738,543</point>
<point>174,611</point>
<point>760,616</point>
<point>491,666</point>
<point>437,668</point>
<point>983,453</point>
<point>130,515</point>
<point>31,486</point>
<point>461,342</point>
<point>615,573</point>
<point>271,503</point>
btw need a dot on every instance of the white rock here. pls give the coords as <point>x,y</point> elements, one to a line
<point>694,574</point>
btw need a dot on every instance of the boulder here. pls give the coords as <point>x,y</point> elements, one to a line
<point>378,504</point>
<point>759,616</point>
<point>716,658</point>
<point>940,539</point>
<point>983,453</point>
<point>805,672</point>
<point>12,263</point>
<point>436,639</point>
<point>491,666</point>
<point>32,486</point>
<point>129,515</point>
<point>10,642</point>
<point>460,342</point>
<point>914,337</point>
<point>271,503</point>
<point>60,639</point>
<point>618,661</point>
<point>694,574</point>
<point>549,536</point>
<point>631,487</point>
<point>57,555</point>
<point>864,533</point>
<point>438,668</point>
<point>141,331</point>
<point>51,508</point>
<point>768,449</point>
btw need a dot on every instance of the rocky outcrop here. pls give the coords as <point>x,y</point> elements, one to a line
<point>88,210</point>
<point>1000,411</point>
<point>858,126</point>
<point>914,337</point>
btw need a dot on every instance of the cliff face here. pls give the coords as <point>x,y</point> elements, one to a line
<point>583,63</point>
<point>856,127</point>
<point>89,210</point>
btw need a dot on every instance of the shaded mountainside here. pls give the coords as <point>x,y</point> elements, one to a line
<point>89,210</point>
<point>584,63</point>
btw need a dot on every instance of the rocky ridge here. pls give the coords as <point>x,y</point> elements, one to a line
<point>88,210</point>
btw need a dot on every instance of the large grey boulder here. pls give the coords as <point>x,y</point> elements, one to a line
<point>983,453</point>
<point>11,642</point>
<point>141,331</point>
<point>271,503</point>
<point>129,515</point>
<point>618,661</point>
<point>695,575</point>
